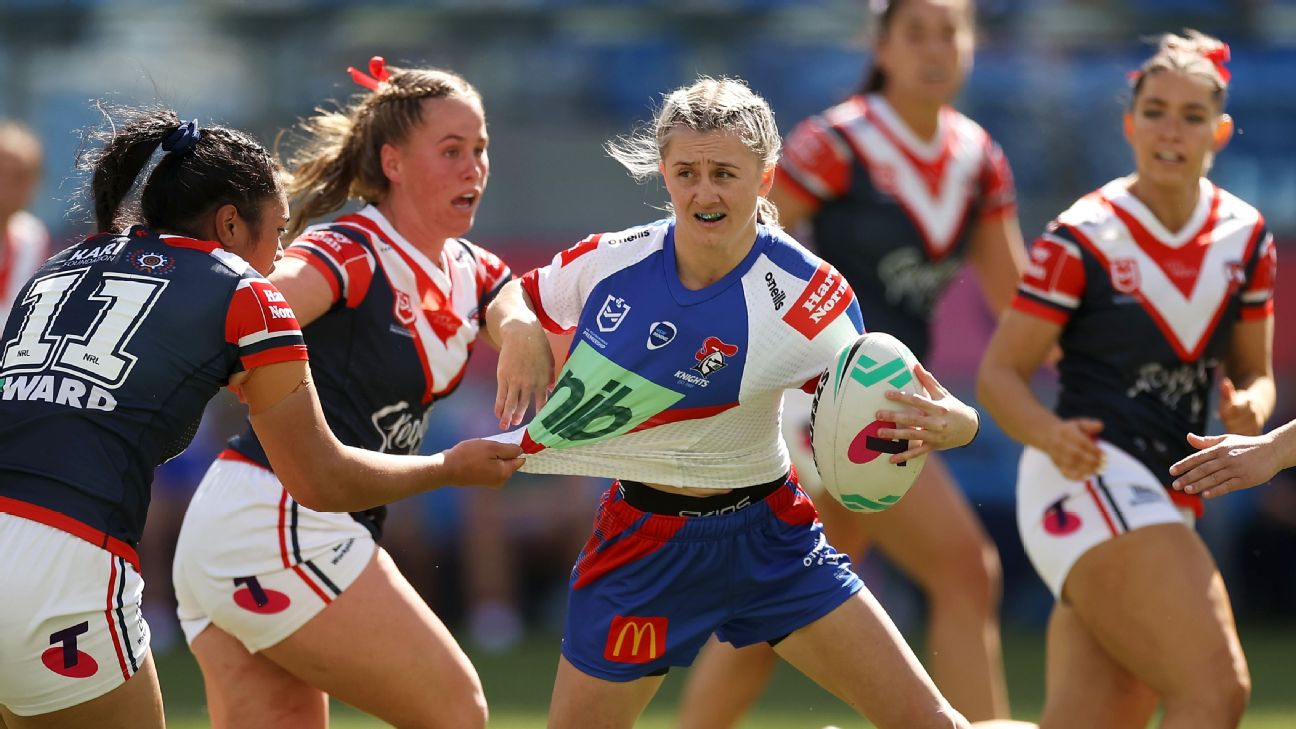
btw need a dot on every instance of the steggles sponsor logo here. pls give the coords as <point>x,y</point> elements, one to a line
<point>401,431</point>
<point>633,639</point>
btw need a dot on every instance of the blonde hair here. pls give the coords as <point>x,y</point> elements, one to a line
<point>1189,53</point>
<point>708,105</point>
<point>19,140</point>
<point>342,155</point>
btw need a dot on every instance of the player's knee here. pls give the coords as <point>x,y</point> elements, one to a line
<point>1220,699</point>
<point>939,716</point>
<point>467,711</point>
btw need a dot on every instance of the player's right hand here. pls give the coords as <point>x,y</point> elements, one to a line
<point>1073,448</point>
<point>524,373</point>
<point>481,463</point>
<point>1225,463</point>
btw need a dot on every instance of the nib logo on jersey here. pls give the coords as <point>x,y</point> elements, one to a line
<point>711,359</point>
<point>594,399</point>
<point>402,431</point>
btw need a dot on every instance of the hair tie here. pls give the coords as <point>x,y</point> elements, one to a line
<point>1219,56</point>
<point>378,73</point>
<point>183,139</point>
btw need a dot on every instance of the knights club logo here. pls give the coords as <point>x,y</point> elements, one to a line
<point>711,357</point>
<point>1125,275</point>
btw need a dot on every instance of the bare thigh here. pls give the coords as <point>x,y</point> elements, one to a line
<point>249,691</point>
<point>856,653</point>
<point>136,704</point>
<point>377,647</point>
<point>1154,601</point>
<point>581,701</point>
<point>1108,695</point>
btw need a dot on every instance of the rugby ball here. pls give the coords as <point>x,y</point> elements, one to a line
<point>853,463</point>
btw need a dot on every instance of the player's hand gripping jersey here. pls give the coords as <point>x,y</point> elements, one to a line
<point>109,357</point>
<point>671,386</point>
<point>893,212</point>
<point>1147,315</point>
<point>398,335</point>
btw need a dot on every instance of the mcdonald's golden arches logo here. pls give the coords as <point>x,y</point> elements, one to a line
<point>633,639</point>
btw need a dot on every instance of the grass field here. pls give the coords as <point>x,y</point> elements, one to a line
<point>518,684</point>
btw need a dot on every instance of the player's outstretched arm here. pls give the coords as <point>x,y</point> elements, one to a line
<point>323,474</point>
<point>936,421</point>
<point>1234,462</point>
<point>1019,346</point>
<point>526,363</point>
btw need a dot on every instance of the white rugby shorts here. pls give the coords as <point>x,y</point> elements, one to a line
<point>254,562</point>
<point>1059,519</point>
<point>71,629</point>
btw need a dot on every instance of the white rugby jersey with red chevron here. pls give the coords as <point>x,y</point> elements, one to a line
<point>1148,314</point>
<point>25,246</point>
<point>399,333</point>
<point>673,386</point>
<point>894,212</point>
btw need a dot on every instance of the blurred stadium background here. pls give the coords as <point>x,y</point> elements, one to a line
<point>558,78</point>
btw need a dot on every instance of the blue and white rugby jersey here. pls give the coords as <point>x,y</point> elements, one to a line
<point>677,387</point>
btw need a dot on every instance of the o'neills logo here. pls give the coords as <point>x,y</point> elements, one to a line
<point>823,300</point>
<point>633,639</point>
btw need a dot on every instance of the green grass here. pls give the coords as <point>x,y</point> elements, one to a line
<point>518,684</point>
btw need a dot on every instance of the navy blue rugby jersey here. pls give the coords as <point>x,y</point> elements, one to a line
<point>1146,314</point>
<point>893,213</point>
<point>110,354</point>
<point>397,337</point>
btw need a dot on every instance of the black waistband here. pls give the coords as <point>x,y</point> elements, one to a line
<point>655,501</point>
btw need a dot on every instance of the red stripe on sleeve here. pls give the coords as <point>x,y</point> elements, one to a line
<point>1040,310</point>
<point>531,284</point>
<point>314,262</point>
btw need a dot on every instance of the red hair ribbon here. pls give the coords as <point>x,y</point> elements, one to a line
<point>1219,56</point>
<point>378,73</point>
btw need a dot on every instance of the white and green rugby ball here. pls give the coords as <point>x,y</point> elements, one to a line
<point>854,464</point>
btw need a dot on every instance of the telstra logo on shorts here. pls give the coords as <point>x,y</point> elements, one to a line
<point>64,658</point>
<point>633,639</point>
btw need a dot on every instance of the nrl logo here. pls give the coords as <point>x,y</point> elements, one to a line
<point>614,312</point>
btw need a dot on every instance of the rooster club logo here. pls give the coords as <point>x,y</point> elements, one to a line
<point>1125,275</point>
<point>404,310</point>
<point>711,357</point>
<point>612,313</point>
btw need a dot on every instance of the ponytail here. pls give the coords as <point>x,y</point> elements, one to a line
<point>201,170</point>
<point>118,166</point>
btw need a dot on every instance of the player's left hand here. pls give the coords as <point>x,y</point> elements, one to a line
<point>1225,463</point>
<point>1239,413</point>
<point>524,373</point>
<point>937,421</point>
